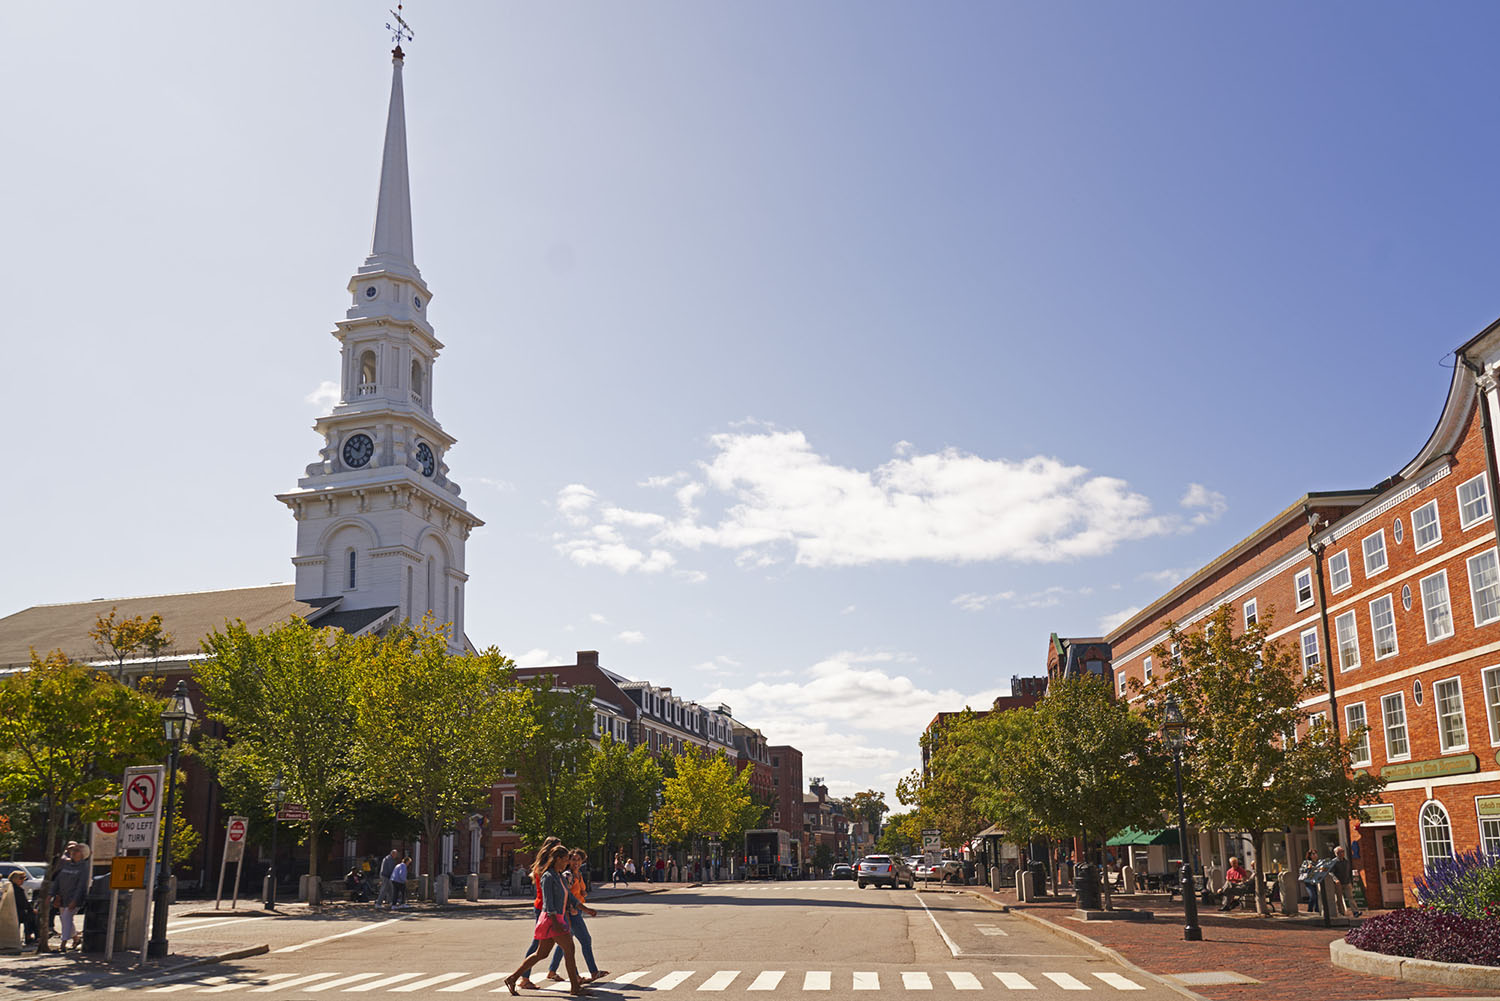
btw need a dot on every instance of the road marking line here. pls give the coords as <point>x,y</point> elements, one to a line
<point>380,983</point>
<point>1119,983</point>
<point>628,978</point>
<point>235,985</point>
<point>472,982</point>
<point>210,924</point>
<point>869,981</point>
<point>352,978</point>
<point>441,978</point>
<point>965,982</point>
<point>309,978</point>
<point>767,980</point>
<point>188,980</point>
<point>952,946</point>
<point>1067,981</point>
<point>671,980</point>
<point>1015,982</point>
<point>916,981</point>
<point>817,980</point>
<point>342,934</point>
<point>991,930</point>
<point>719,981</point>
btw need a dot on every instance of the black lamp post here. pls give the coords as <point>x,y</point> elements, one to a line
<point>177,722</point>
<point>276,796</point>
<point>1174,729</point>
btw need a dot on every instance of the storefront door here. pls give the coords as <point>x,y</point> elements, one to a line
<point>1392,886</point>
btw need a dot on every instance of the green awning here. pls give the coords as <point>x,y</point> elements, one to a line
<point>1131,836</point>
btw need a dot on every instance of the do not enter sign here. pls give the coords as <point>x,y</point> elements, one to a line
<point>234,838</point>
<point>237,828</point>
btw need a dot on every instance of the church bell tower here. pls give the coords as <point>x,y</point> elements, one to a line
<point>380,526</point>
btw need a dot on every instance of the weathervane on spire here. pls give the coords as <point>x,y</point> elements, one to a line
<point>400,31</point>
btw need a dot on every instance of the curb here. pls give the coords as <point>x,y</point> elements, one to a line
<point>1425,971</point>
<point>1078,938</point>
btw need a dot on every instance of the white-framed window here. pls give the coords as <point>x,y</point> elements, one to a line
<point>1338,571</point>
<point>1473,502</point>
<point>1316,721</point>
<point>1208,631</point>
<point>1346,634</point>
<point>507,809</point>
<point>1374,550</point>
<point>1383,627</point>
<point>1309,650</point>
<point>1146,669</point>
<point>1484,587</point>
<point>1491,680</point>
<point>1437,832</point>
<point>1304,588</point>
<point>1122,682</point>
<point>1435,607</point>
<point>509,773</point>
<point>1489,835</point>
<point>1393,713</point>
<point>1176,660</point>
<point>1250,613</point>
<point>1448,700</point>
<point>1425,530</point>
<point>1359,733</point>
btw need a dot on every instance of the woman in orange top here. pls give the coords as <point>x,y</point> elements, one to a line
<point>578,895</point>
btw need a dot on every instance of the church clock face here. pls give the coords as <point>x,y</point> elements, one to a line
<point>358,450</point>
<point>425,459</point>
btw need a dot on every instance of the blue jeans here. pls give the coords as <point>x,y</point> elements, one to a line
<point>585,942</point>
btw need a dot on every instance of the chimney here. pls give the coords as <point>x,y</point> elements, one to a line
<point>588,658</point>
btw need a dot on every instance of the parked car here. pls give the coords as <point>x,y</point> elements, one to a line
<point>884,870</point>
<point>35,871</point>
<point>843,871</point>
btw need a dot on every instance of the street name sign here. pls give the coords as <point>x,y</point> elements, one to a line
<point>293,811</point>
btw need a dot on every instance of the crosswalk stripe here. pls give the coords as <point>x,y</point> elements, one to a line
<point>719,980</point>
<point>235,985</point>
<point>817,980</point>
<point>191,981</point>
<point>916,981</point>
<point>309,978</point>
<point>965,981</point>
<point>869,981</point>
<point>352,978</point>
<point>990,930</point>
<point>1015,981</point>
<point>441,978</point>
<point>767,980</point>
<point>472,982</point>
<point>628,978</point>
<point>1119,983</point>
<point>671,980</point>
<point>372,985</point>
<point>557,985</point>
<point>1067,981</point>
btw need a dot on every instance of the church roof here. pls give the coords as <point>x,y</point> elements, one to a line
<point>188,617</point>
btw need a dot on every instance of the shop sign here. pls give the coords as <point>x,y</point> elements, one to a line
<point>1379,813</point>
<point>1489,806</point>
<point>1458,764</point>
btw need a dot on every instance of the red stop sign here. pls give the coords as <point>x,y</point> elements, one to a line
<point>237,830</point>
<point>108,826</point>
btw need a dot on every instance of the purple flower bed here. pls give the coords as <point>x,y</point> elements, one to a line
<point>1423,933</point>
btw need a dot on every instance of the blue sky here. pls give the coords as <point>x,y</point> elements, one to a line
<point>819,358</point>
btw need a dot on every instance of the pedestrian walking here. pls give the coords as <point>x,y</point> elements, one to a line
<point>618,875</point>
<point>578,906</point>
<point>551,924</point>
<point>70,886</point>
<point>1343,874</point>
<point>387,889</point>
<point>661,870</point>
<point>534,945</point>
<point>398,883</point>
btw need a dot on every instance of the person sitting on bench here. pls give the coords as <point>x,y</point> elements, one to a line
<point>1236,882</point>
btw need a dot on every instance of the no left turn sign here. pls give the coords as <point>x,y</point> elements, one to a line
<point>140,794</point>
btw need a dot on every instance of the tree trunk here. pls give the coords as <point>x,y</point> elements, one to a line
<point>1262,906</point>
<point>314,826</point>
<point>44,912</point>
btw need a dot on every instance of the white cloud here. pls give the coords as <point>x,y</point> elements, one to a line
<point>1171,575</point>
<point>503,486</point>
<point>767,496</point>
<point>631,636</point>
<point>596,617</point>
<point>535,658</point>
<point>1210,504</point>
<point>1113,619</point>
<point>848,610</point>
<point>325,396</point>
<point>691,576</point>
<point>1050,597</point>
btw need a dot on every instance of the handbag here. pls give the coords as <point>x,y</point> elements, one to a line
<point>549,926</point>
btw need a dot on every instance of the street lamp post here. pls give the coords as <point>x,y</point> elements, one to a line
<point>1174,729</point>
<point>177,722</point>
<point>276,795</point>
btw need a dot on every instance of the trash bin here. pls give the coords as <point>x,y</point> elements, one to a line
<point>1086,887</point>
<point>96,917</point>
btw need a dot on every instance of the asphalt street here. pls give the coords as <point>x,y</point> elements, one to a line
<point>825,939</point>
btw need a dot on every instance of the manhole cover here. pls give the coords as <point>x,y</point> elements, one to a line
<point>1211,978</point>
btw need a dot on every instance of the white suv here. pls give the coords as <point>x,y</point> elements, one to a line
<point>886,870</point>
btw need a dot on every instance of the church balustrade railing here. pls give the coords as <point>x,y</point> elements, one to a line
<point>367,389</point>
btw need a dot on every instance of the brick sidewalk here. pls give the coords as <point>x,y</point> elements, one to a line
<point>1289,956</point>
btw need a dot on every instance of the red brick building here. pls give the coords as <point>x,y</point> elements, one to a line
<point>786,789</point>
<point>1393,593</point>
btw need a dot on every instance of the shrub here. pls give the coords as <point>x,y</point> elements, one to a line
<point>1424,933</point>
<point>1467,884</point>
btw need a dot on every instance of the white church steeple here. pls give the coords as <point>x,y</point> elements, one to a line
<point>380,526</point>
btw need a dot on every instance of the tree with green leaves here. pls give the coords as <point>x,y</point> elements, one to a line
<point>1255,760</point>
<point>947,795</point>
<point>121,639</point>
<point>286,697</point>
<point>552,757</point>
<point>703,797</point>
<point>67,734</point>
<point>901,835</point>
<point>870,807</point>
<point>434,728</point>
<point>623,782</point>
